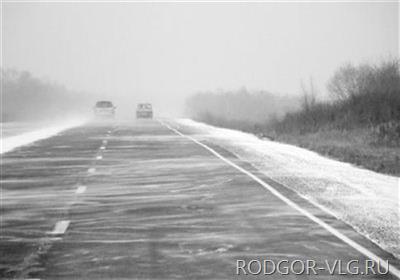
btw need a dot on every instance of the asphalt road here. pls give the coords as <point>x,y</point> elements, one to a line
<point>136,200</point>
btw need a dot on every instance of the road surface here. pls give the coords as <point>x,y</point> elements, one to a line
<point>140,200</point>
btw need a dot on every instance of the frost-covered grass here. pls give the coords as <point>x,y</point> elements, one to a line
<point>366,200</point>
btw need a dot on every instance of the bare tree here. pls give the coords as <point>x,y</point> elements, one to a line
<point>309,94</point>
<point>344,84</point>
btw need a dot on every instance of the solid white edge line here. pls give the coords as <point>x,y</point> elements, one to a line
<point>60,227</point>
<point>394,271</point>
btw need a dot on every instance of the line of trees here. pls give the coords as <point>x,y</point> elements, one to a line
<point>27,98</point>
<point>362,96</point>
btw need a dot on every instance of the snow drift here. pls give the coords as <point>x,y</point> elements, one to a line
<point>11,142</point>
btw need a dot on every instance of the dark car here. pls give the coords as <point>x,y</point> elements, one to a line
<point>104,109</point>
<point>144,111</point>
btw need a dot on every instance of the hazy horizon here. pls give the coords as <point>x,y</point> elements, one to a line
<point>163,52</point>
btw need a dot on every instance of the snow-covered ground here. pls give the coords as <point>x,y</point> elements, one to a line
<point>14,135</point>
<point>366,200</point>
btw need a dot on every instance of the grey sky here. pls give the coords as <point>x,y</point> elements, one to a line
<point>161,52</point>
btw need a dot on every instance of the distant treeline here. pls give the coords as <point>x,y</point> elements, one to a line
<point>238,109</point>
<point>27,98</point>
<point>363,96</point>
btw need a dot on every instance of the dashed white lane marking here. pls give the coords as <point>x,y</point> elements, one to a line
<point>383,263</point>
<point>91,170</point>
<point>60,227</point>
<point>102,148</point>
<point>99,157</point>
<point>80,189</point>
<point>105,142</point>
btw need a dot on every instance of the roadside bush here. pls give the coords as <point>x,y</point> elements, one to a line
<point>362,96</point>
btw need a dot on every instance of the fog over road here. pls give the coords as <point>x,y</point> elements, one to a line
<point>137,200</point>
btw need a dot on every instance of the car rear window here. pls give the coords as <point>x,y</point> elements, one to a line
<point>104,104</point>
<point>144,106</point>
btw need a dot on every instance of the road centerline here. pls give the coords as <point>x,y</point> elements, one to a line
<point>80,190</point>
<point>60,227</point>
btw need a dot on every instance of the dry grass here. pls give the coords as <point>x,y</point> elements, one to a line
<point>355,146</point>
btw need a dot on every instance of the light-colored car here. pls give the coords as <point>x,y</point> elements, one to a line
<point>104,109</point>
<point>144,111</point>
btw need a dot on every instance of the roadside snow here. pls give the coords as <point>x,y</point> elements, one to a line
<point>366,200</point>
<point>11,142</point>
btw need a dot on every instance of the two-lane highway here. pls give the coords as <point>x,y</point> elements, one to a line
<point>140,200</point>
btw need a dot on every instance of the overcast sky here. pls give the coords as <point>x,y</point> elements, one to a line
<point>162,52</point>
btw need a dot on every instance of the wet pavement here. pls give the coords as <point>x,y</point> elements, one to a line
<point>134,200</point>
